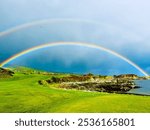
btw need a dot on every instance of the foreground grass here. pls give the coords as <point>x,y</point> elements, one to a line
<point>22,93</point>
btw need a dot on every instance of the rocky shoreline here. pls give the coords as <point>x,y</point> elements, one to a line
<point>113,84</point>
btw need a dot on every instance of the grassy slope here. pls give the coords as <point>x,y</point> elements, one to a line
<point>22,93</point>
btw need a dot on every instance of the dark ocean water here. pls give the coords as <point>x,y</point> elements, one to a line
<point>144,87</point>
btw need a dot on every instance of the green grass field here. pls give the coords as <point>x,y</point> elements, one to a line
<point>22,93</point>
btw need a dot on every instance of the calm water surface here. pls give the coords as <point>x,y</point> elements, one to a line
<point>145,87</point>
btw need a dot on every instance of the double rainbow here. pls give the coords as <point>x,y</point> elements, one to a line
<point>47,21</point>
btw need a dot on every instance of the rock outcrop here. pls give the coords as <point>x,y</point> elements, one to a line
<point>118,84</point>
<point>4,73</point>
<point>127,76</point>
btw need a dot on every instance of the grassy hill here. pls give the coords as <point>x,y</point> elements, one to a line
<point>22,93</point>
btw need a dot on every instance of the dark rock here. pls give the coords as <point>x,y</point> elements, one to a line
<point>4,73</point>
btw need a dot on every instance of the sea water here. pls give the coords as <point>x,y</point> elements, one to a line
<point>144,87</point>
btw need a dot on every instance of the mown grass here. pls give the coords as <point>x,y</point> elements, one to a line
<point>22,93</point>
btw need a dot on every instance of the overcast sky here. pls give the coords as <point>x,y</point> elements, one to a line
<point>121,25</point>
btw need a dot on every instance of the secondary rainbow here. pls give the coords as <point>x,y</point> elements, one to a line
<point>90,45</point>
<point>43,22</point>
